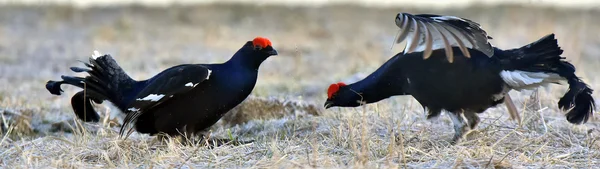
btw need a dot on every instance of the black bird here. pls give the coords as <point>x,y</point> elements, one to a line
<point>184,99</point>
<point>449,65</point>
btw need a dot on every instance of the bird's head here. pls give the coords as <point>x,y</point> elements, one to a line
<point>254,52</point>
<point>260,46</point>
<point>341,95</point>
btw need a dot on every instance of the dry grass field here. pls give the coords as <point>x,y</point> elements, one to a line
<point>317,46</point>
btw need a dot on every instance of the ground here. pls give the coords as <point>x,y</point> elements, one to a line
<point>317,46</point>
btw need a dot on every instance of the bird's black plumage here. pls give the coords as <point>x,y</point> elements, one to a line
<point>468,86</point>
<point>184,99</point>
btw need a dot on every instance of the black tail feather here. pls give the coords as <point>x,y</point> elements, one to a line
<point>54,87</point>
<point>86,83</point>
<point>82,106</point>
<point>543,55</point>
<point>579,100</point>
<point>106,81</point>
<point>79,70</point>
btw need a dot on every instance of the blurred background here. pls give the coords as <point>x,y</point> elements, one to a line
<point>319,42</point>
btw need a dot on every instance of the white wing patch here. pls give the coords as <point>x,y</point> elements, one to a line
<point>96,54</point>
<point>152,97</point>
<point>190,84</point>
<point>209,72</point>
<point>519,80</point>
<point>133,109</point>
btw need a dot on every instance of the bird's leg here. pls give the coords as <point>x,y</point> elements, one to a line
<point>460,125</point>
<point>512,109</point>
<point>472,119</point>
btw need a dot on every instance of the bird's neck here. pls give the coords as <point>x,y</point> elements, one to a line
<point>246,59</point>
<point>376,87</point>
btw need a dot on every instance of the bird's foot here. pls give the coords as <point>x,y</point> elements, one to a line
<point>460,127</point>
<point>472,134</point>
<point>464,123</point>
<point>459,135</point>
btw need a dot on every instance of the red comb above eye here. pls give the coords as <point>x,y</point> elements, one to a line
<point>333,88</point>
<point>262,42</point>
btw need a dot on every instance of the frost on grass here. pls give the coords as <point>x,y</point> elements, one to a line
<point>289,133</point>
<point>260,108</point>
<point>16,121</point>
<point>387,135</point>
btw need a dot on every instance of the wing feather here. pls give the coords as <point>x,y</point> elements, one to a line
<point>428,41</point>
<point>406,26</point>
<point>427,32</point>
<point>414,41</point>
<point>447,47</point>
<point>460,42</point>
<point>171,82</point>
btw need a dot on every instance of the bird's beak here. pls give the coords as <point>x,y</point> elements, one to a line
<point>273,52</point>
<point>328,104</point>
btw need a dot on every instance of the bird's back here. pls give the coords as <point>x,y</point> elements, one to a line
<point>466,83</point>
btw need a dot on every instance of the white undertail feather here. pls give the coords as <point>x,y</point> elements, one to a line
<point>520,80</point>
<point>96,54</point>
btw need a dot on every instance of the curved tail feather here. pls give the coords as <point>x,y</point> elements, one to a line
<point>54,87</point>
<point>106,81</point>
<point>82,106</point>
<point>579,100</point>
<point>540,63</point>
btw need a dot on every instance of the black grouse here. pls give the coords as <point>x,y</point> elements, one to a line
<point>448,64</point>
<point>184,99</point>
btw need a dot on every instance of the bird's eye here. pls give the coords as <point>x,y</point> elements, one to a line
<point>334,95</point>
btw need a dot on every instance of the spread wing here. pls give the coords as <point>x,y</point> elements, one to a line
<point>162,87</point>
<point>427,32</point>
